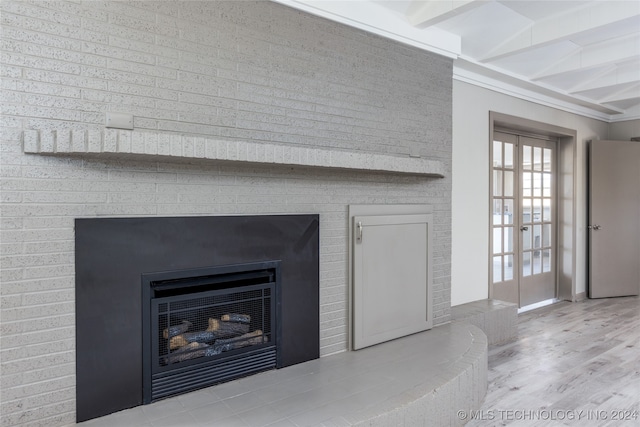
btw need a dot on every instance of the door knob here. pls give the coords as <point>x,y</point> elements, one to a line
<point>524,228</point>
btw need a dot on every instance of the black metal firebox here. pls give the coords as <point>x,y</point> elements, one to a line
<point>208,325</point>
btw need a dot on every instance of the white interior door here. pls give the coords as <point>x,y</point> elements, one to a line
<point>391,275</point>
<point>614,218</point>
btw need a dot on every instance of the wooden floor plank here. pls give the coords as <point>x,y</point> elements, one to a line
<point>572,364</point>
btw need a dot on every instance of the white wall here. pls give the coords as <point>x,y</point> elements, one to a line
<point>470,198</point>
<point>624,131</point>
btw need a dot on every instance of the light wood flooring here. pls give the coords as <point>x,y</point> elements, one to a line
<point>572,364</point>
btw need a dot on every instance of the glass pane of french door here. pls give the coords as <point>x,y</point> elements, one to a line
<point>504,237</point>
<point>537,220</point>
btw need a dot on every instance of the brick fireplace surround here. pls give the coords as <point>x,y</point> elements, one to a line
<point>339,117</point>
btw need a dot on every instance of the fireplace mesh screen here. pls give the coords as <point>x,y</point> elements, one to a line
<point>208,326</point>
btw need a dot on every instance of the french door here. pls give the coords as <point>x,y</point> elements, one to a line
<point>523,219</point>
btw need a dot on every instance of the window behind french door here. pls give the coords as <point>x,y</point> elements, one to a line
<point>523,218</point>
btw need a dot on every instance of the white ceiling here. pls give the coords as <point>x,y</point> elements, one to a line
<point>578,55</point>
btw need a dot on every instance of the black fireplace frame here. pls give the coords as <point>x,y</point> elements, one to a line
<point>221,368</point>
<point>111,254</point>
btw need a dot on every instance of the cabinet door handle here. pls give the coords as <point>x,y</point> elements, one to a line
<point>524,228</point>
<point>359,231</point>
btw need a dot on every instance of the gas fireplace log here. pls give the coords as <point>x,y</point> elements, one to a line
<point>227,329</point>
<point>235,317</point>
<point>217,330</point>
<point>177,342</point>
<point>189,351</point>
<point>253,338</point>
<point>193,350</point>
<point>206,337</point>
<point>173,331</point>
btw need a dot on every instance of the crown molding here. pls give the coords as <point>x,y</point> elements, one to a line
<point>471,72</point>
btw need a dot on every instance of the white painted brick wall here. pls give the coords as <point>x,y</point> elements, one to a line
<point>236,71</point>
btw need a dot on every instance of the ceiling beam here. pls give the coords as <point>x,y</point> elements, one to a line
<point>610,77</point>
<point>629,92</point>
<point>617,51</point>
<point>424,13</point>
<point>567,26</point>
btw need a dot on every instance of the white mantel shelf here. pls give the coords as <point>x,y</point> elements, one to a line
<point>116,143</point>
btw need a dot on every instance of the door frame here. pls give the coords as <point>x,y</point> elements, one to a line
<point>567,186</point>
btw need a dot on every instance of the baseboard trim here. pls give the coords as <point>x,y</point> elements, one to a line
<point>580,297</point>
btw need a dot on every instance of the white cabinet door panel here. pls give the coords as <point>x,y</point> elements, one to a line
<point>391,276</point>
